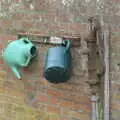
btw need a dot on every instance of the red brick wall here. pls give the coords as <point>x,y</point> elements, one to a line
<point>69,100</point>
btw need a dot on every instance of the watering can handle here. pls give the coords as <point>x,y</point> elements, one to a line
<point>25,40</point>
<point>68,45</point>
<point>27,62</point>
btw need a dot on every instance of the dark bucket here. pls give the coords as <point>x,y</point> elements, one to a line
<point>58,63</point>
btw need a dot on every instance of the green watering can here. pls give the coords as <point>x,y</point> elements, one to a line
<point>18,54</point>
<point>57,66</point>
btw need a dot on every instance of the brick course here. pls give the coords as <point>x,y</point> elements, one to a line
<point>66,100</point>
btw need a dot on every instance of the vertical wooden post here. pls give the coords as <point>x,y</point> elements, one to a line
<point>106,77</point>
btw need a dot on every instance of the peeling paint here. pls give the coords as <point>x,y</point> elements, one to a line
<point>7,7</point>
<point>87,1</point>
<point>31,6</point>
<point>67,2</point>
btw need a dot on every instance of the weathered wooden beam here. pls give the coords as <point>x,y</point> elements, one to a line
<point>92,55</point>
<point>106,76</point>
<point>45,39</point>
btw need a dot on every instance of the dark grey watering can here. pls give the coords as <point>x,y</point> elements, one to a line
<point>58,63</point>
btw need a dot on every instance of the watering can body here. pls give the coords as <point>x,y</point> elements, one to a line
<point>58,63</point>
<point>18,54</point>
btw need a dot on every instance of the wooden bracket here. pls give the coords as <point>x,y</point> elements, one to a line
<point>95,56</point>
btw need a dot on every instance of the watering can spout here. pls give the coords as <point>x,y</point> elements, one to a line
<point>15,70</point>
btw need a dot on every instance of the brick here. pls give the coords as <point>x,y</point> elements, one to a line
<point>14,93</point>
<point>55,93</point>
<point>18,16</point>
<point>117,1</point>
<point>17,24</point>
<point>76,106</point>
<point>12,84</point>
<point>27,24</point>
<point>64,29</point>
<point>3,75</point>
<point>6,23</point>
<point>2,90</point>
<point>82,116</point>
<point>66,103</point>
<point>115,86</point>
<point>54,109</point>
<point>33,17</point>
<point>40,106</point>
<point>1,61</point>
<point>6,37</point>
<point>53,116</point>
<point>16,1</point>
<point>54,101</point>
<point>64,86</point>
<point>46,17</point>
<point>2,82</point>
<point>65,118</point>
<point>10,74</point>
<point>3,67</point>
<point>42,88</point>
<point>69,87</point>
<point>76,115</point>
<point>115,114</point>
<point>85,107</point>
<point>31,89</point>
<point>67,112</point>
<point>43,81</point>
<point>117,97</point>
<point>75,97</point>
<point>114,106</point>
<point>42,98</point>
